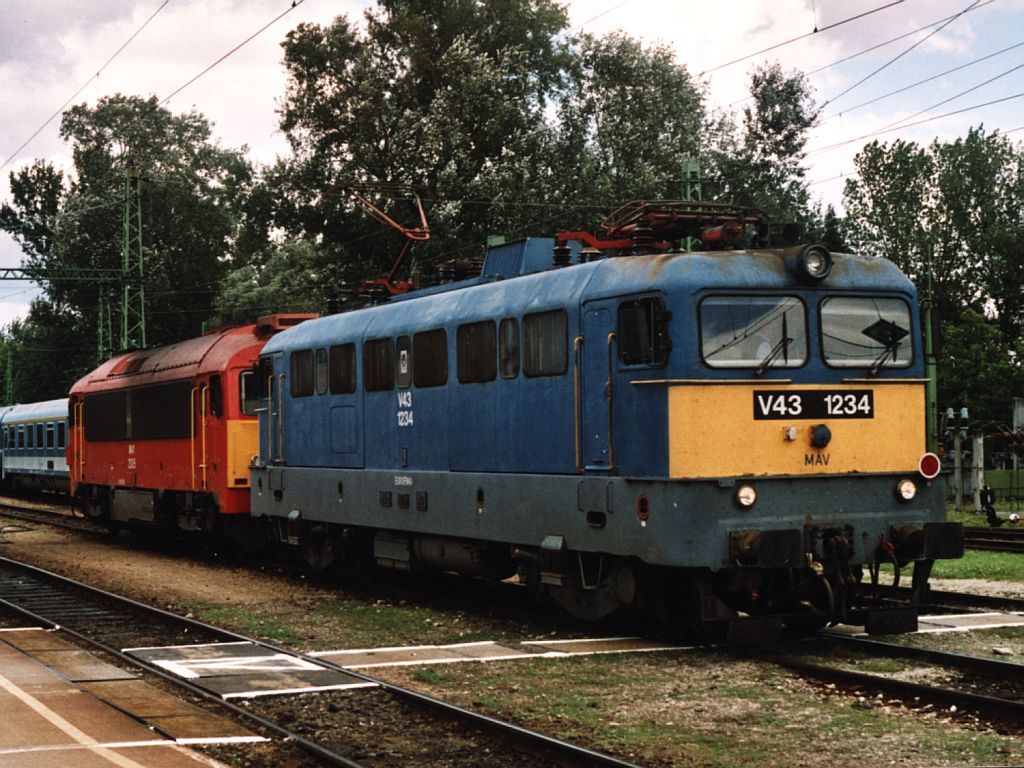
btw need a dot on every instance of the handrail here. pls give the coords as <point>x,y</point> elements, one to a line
<point>270,418</point>
<point>612,336</point>
<point>192,433</point>
<point>202,420</point>
<point>280,418</point>
<point>576,344</point>
<point>80,438</point>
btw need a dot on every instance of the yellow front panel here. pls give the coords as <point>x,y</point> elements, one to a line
<point>713,433</point>
<point>243,443</point>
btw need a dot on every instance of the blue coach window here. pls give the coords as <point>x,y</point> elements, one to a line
<point>61,435</point>
<point>476,352</point>
<point>302,373</point>
<point>546,343</point>
<point>430,358</point>
<point>49,435</point>
<point>508,348</point>
<point>342,358</point>
<point>753,332</point>
<point>866,332</point>
<point>378,365</point>
<point>321,371</point>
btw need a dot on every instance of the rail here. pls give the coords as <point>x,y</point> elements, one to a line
<point>59,602</point>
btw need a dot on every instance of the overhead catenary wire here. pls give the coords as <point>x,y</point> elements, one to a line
<point>73,96</point>
<point>925,80</point>
<point>903,53</point>
<point>804,36</point>
<point>294,4</point>
<point>919,122</point>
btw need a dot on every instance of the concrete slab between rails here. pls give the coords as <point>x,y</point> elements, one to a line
<point>958,622</point>
<point>241,670</point>
<point>368,658</point>
<point>50,720</point>
<point>969,621</point>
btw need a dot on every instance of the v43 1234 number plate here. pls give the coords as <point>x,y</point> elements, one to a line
<point>814,404</point>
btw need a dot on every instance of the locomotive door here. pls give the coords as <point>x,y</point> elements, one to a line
<point>596,358</point>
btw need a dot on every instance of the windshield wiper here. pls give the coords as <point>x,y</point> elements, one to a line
<point>876,366</point>
<point>783,345</point>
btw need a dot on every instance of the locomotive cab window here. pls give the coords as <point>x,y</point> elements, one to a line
<point>643,333</point>
<point>302,373</point>
<point>248,391</point>
<point>757,332</point>
<point>866,332</point>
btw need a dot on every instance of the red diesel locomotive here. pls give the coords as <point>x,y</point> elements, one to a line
<point>165,435</point>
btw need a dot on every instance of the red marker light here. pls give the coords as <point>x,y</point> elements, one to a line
<point>929,465</point>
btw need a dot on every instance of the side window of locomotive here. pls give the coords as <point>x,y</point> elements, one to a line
<point>342,361</point>
<point>248,392</point>
<point>403,362</point>
<point>753,332</point>
<point>866,332</point>
<point>476,352</point>
<point>216,396</point>
<point>643,332</point>
<point>508,348</point>
<point>546,343</point>
<point>430,356</point>
<point>378,365</point>
<point>302,373</point>
<point>320,374</point>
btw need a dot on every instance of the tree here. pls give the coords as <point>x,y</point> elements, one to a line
<point>949,213</point>
<point>629,119</point>
<point>448,95</point>
<point>192,192</point>
<point>980,368</point>
<point>760,162</point>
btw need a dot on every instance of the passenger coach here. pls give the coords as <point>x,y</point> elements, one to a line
<point>34,443</point>
<point>704,436</point>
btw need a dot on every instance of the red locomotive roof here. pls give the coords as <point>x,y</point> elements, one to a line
<point>206,354</point>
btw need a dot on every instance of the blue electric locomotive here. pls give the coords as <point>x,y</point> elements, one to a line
<point>704,436</point>
<point>34,438</point>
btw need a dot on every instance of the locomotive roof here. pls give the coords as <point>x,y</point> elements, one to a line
<point>679,273</point>
<point>185,359</point>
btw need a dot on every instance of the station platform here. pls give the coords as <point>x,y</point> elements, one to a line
<point>62,706</point>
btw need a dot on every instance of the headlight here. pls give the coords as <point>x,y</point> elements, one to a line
<point>746,496</point>
<point>906,490</point>
<point>811,263</point>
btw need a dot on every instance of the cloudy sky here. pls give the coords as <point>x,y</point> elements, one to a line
<point>862,51</point>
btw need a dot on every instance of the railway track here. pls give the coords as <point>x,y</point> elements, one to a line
<point>963,682</point>
<point>112,623</point>
<point>994,539</point>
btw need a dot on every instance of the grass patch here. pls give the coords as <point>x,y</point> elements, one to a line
<point>975,564</point>
<point>245,622</point>
<point>714,710</point>
<point>430,676</point>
